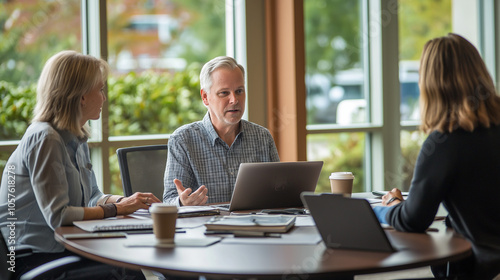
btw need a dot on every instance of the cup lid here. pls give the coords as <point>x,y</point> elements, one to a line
<point>341,175</point>
<point>162,208</point>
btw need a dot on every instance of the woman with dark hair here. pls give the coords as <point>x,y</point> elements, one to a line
<point>49,175</point>
<point>459,163</point>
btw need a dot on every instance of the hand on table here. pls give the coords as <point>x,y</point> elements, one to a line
<point>392,198</point>
<point>138,200</point>
<point>188,197</point>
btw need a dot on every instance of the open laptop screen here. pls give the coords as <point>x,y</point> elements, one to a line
<point>273,184</point>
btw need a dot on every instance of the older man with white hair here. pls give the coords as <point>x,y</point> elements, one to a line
<point>204,156</point>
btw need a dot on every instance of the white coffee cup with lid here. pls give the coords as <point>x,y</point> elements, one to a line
<point>341,183</point>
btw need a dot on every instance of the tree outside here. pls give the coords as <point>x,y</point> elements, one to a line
<point>420,21</point>
<point>32,32</point>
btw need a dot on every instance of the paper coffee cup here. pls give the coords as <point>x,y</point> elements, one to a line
<point>164,218</point>
<point>341,183</point>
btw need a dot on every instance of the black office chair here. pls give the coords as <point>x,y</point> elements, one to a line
<point>142,169</point>
<point>69,267</point>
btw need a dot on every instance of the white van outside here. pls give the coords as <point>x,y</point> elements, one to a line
<point>339,99</point>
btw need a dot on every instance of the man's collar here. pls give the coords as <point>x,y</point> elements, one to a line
<point>207,124</point>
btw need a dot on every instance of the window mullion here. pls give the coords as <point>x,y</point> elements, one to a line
<point>94,34</point>
<point>487,35</point>
<point>385,95</point>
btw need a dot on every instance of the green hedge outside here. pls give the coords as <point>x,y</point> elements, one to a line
<point>145,103</point>
<point>154,103</point>
<point>16,109</point>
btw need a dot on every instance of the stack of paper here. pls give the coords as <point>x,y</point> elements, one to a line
<point>253,223</point>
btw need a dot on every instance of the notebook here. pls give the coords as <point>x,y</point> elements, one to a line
<point>142,220</point>
<point>346,223</point>
<point>273,184</point>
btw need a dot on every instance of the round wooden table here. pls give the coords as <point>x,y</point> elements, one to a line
<point>265,261</point>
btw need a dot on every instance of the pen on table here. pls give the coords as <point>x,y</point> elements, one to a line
<point>255,234</point>
<point>149,231</point>
<point>212,232</point>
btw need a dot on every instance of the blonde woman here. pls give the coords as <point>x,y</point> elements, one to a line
<point>459,163</point>
<point>49,177</point>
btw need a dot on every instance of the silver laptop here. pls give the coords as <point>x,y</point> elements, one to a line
<point>273,184</point>
<point>346,223</point>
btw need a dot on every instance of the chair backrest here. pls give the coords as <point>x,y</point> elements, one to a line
<point>142,169</point>
<point>4,260</point>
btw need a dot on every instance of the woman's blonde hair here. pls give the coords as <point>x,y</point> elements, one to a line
<point>65,78</point>
<point>456,90</point>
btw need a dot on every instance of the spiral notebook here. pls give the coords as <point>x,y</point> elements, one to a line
<point>115,225</point>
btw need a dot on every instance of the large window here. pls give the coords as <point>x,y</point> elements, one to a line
<point>361,71</point>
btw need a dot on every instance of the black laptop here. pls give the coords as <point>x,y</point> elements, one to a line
<point>346,223</point>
